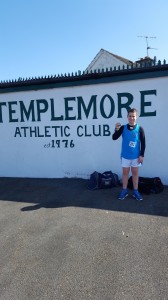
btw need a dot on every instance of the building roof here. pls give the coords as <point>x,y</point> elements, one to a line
<point>106,73</point>
<point>107,59</point>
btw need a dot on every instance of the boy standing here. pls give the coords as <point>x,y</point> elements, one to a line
<point>132,152</point>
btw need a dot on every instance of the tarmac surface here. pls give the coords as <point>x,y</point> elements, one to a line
<point>59,240</point>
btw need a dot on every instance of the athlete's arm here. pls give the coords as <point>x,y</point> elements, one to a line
<point>118,133</point>
<point>142,141</point>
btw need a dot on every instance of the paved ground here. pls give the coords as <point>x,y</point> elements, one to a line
<point>58,240</point>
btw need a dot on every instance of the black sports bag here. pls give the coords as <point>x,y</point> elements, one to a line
<point>148,185</point>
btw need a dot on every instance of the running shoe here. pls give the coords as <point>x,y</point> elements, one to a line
<point>137,196</point>
<point>123,194</point>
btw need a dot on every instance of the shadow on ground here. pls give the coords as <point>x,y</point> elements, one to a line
<point>57,193</point>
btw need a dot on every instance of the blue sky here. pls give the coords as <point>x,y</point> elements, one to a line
<point>48,37</point>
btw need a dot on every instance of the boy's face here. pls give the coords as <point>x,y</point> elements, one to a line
<point>132,118</point>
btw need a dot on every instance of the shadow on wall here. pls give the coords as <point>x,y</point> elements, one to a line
<point>68,192</point>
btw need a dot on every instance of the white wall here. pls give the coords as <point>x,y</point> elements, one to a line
<point>25,156</point>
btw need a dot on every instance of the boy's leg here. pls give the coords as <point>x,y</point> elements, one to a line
<point>125,177</point>
<point>125,171</point>
<point>135,177</point>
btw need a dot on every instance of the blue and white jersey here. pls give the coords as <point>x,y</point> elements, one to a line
<point>130,143</point>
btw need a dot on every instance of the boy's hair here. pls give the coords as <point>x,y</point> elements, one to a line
<point>133,110</point>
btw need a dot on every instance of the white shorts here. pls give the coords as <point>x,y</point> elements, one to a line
<point>126,163</point>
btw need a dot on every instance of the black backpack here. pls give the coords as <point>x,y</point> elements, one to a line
<point>148,185</point>
<point>102,180</point>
